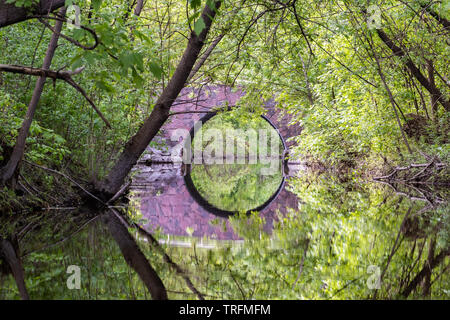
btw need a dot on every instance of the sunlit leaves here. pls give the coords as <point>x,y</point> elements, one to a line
<point>199,26</point>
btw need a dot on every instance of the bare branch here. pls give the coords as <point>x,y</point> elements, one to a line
<point>38,72</point>
<point>75,42</point>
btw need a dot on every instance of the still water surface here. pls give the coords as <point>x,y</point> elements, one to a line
<point>316,236</point>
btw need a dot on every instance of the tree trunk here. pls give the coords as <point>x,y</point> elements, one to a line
<point>12,258</point>
<point>139,142</point>
<point>139,7</point>
<point>134,256</point>
<point>434,97</point>
<point>7,173</point>
<point>444,22</point>
<point>430,264</point>
<point>10,14</point>
<point>433,90</point>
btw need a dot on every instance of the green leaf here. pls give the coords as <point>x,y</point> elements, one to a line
<point>211,4</point>
<point>102,85</point>
<point>137,79</point>
<point>195,3</point>
<point>199,26</point>
<point>193,17</point>
<point>155,69</point>
<point>96,4</point>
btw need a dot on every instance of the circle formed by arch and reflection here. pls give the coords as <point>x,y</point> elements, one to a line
<point>228,188</point>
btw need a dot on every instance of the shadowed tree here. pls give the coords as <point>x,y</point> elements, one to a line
<point>8,172</point>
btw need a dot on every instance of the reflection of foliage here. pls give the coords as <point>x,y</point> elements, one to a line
<point>247,227</point>
<point>236,127</point>
<point>235,187</point>
<point>322,252</point>
<point>104,273</point>
<point>325,250</point>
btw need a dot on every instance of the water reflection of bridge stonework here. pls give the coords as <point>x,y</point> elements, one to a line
<point>165,202</point>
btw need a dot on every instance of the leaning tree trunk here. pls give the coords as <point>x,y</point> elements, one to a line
<point>10,255</point>
<point>7,173</point>
<point>139,142</point>
<point>139,7</point>
<point>399,52</point>
<point>134,256</point>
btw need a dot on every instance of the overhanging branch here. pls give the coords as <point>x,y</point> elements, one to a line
<point>399,52</point>
<point>56,75</point>
<point>10,14</point>
<point>62,75</point>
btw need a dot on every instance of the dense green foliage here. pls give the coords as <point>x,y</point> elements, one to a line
<point>336,93</point>
<point>359,103</point>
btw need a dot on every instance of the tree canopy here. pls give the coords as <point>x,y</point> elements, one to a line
<point>86,86</point>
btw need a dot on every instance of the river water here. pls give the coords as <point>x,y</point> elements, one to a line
<point>168,197</point>
<point>315,235</point>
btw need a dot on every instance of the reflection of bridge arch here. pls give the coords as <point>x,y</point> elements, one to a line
<point>220,212</point>
<point>190,185</point>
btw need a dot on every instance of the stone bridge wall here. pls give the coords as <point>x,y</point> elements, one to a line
<point>209,97</point>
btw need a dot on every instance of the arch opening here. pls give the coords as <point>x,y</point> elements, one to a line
<point>233,183</point>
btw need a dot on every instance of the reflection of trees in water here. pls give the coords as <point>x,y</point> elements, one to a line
<point>13,264</point>
<point>25,234</point>
<point>423,181</point>
<point>395,232</point>
<point>417,225</point>
<point>134,256</point>
<point>51,229</point>
<point>235,187</point>
<point>420,183</point>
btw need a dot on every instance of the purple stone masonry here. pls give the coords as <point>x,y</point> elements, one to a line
<point>208,97</point>
<point>164,199</point>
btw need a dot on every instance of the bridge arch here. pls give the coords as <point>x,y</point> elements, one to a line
<point>194,104</point>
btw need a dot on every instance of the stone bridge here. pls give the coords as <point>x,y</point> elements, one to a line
<point>193,103</point>
<point>159,185</point>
